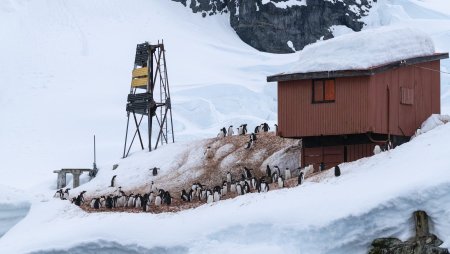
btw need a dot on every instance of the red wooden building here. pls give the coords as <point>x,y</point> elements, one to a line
<point>341,115</point>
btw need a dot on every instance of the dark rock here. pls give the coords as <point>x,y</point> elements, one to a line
<point>269,28</point>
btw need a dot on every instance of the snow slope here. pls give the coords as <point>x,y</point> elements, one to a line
<point>349,211</point>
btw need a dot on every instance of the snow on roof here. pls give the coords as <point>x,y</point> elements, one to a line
<point>363,50</point>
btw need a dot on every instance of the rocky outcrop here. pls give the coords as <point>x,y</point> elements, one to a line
<point>423,243</point>
<point>279,26</point>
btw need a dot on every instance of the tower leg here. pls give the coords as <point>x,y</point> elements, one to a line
<point>126,136</point>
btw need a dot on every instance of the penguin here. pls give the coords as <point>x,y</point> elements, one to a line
<point>229,177</point>
<point>102,201</point>
<point>59,194</point>
<point>148,204</point>
<point>184,196</point>
<point>221,133</point>
<point>216,196</point>
<point>97,203</point>
<point>233,187</point>
<point>321,166</point>
<point>257,129</point>
<point>287,174</point>
<point>274,177</point>
<point>167,199</point>
<point>253,137</point>
<point>253,182</point>
<point>224,131</point>
<point>155,171</point>
<point>151,197</point>
<point>258,184</point>
<point>247,173</point>
<point>278,170</point>
<point>268,171</point>
<point>280,182</point>
<point>264,187</point>
<point>266,127</point>
<point>191,195</point>
<point>242,130</point>
<point>248,145</point>
<point>337,171</point>
<point>113,180</point>
<point>224,188</point>
<point>239,189</point>
<point>230,131</point>
<point>144,203</point>
<point>65,195</point>
<point>276,128</point>
<point>109,202</point>
<point>158,200</point>
<point>202,195</point>
<point>246,188</point>
<point>300,178</point>
<point>130,200</point>
<point>210,198</point>
<point>138,201</point>
<point>92,203</point>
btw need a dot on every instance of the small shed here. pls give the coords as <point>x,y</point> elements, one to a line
<point>350,93</point>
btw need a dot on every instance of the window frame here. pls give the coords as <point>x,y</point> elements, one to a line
<point>323,81</point>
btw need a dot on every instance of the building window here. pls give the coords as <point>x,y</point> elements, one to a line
<point>324,90</point>
<point>407,96</point>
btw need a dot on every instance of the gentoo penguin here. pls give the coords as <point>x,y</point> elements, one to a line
<point>268,171</point>
<point>184,196</point>
<point>264,187</point>
<point>266,127</point>
<point>278,170</point>
<point>321,166</point>
<point>92,203</point>
<point>242,130</point>
<point>224,188</point>
<point>130,202</point>
<point>155,171</point>
<point>253,137</point>
<point>109,202</point>
<point>230,131</point>
<point>216,196</point>
<point>253,182</point>
<point>257,129</point>
<point>59,194</point>
<point>377,150</point>
<point>158,200</point>
<point>247,173</point>
<point>148,204</point>
<point>138,201</point>
<point>280,182</point>
<point>229,177</point>
<point>66,194</point>
<point>276,128</point>
<point>337,171</point>
<point>202,195</point>
<point>210,198</point>
<point>191,195</point>
<point>151,197</point>
<point>287,173</point>
<point>221,133</point>
<point>239,189</point>
<point>113,180</point>
<point>233,187</point>
<point>167,199</point>
<point>97,203</point>
<point>274,177</point>
<point>209,153</point>
<point>102,201</point>
<point>300,178</point>
<point>246,188</point>
<point>248,145</point>
<point>224,131</point>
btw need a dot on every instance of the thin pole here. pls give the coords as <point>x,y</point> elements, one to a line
<point>94,151</point>
<point>126,135</point>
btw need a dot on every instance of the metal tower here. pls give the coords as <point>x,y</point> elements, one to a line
<point>149,97</point>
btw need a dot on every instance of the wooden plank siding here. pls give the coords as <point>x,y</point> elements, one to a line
<point>362,104</point>
<point>299,117</point>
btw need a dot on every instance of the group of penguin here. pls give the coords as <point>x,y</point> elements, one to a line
<point>62,194</point>
<point>247,183</point>
<point>242,130</point>
<point>120,199</point>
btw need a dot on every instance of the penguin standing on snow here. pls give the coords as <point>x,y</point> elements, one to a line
<point>113,180</point>
<point>233,187</point>
<point>216,196</point>
<point>287,173</point>
<point>158,200</point>
<point>138,201</point>
<point>167,199</point>
<point>246,188</point>
<point>130,202</point>
<point>337,171</point>
<point>230,131</point>
<point>253,182</point>
<point>155,171</point>
<point>274,177</point>
<point>263,187</point>
<point>209,197</point>
<point>266,127</point>
<point>239,189</point>
<point>65,195</point>
<point>97,203</point>
<point>109,202</point>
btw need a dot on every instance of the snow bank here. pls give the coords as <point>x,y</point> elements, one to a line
<point>364,50</point>
<point>14,206</point>
<point>432,122</point>
<point>366,202</point>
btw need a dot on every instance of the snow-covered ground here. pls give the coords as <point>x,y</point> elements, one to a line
<point>65,72</point>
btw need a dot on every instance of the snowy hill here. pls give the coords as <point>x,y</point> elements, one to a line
<point>65,73</point>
